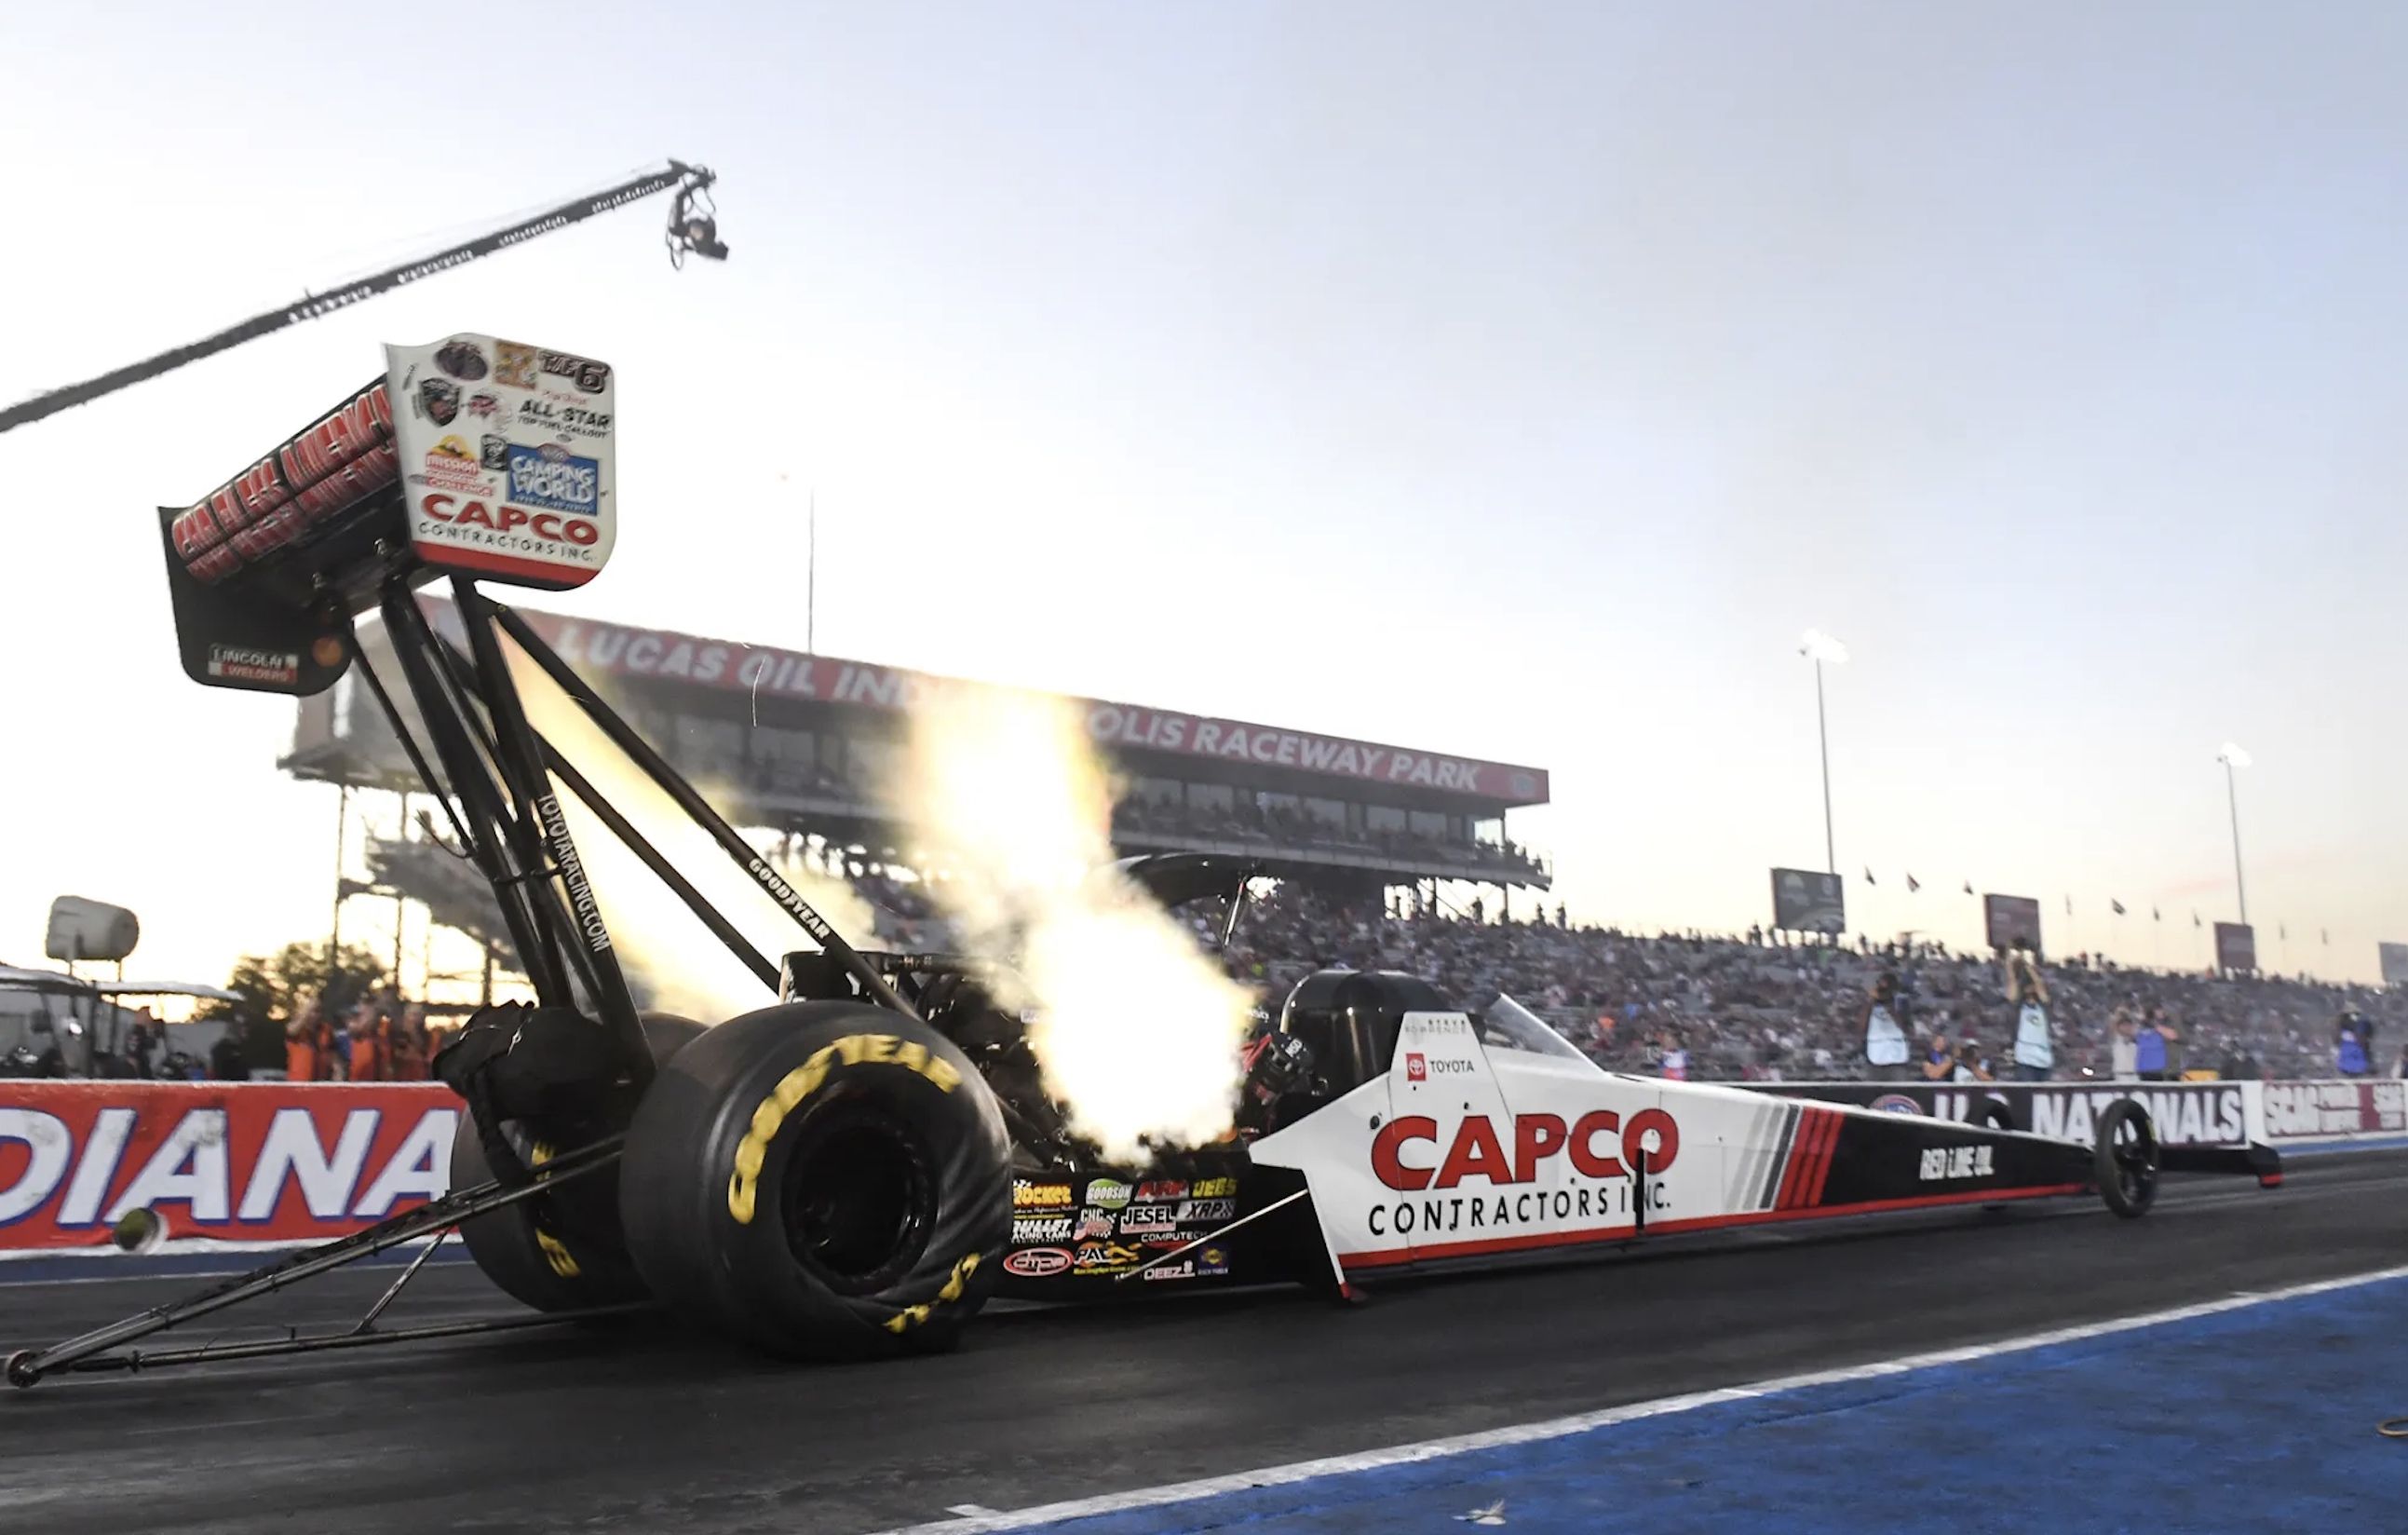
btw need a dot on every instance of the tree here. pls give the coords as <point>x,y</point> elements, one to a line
<point>274,988</point>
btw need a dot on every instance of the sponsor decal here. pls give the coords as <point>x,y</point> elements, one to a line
<point>541,527</point>
<point>564,419</point>
<point>1600,1147</point>
<point>1212,1258</point>
<point>1159,1189</point>
<point>1942,1162</point>
<point>1038,1262</point>
<point>551,476</point>
<point>1104,1258</point>
<point>1213,1188</point>
<point>1416,1068</point>
<point>590,377</point>
<point>1171,1270</point>
<point>1896,1103</point>
<point>1094,1223</point>
<point>524,508</point>
<point>1027,1194</point>
<point>1108,1193</point>
<point>243,664</point>
<point>1026,1229</point>
<point>461,359</point>
<point>514,366</point>
<point>1194,1211</point>
<point>1148,1220</point>
<point>1598,1144</point>
<point>265,1162</point>
<point>2295,1109</point>
<point>1610,1203</point>
<point>440,399</point>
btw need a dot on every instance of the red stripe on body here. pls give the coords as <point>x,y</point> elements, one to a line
<point>1823,1161</point>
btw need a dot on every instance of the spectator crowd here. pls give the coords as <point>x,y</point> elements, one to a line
<point>378,1039</point>
<point>1758,1008</point>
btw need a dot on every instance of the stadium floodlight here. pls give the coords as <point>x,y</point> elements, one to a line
<point>1818,647</point>
<point>2233,756</point>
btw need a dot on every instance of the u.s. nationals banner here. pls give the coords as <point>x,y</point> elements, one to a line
<point>2186,1113</point>
<point>241,1162</point>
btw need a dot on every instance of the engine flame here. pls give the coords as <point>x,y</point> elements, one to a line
<point>663,948</point>
<point>1136,1029</point>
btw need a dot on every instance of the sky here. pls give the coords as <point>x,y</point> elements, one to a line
<point>1509,380</point>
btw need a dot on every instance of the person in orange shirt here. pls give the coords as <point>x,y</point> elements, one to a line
<point>409,1051</point>
<point>366,1040</point>
<point>301,1042</point>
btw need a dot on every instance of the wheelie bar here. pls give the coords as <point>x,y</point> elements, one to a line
<point>27,1367</point>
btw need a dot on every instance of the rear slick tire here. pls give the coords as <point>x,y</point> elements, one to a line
<point>533,1255</point>
<point>821,1179</point>
<point>2124,1163</point>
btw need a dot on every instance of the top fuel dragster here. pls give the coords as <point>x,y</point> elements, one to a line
<point>857,1167</point>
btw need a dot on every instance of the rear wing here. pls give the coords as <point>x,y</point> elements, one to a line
<point>472,455</point>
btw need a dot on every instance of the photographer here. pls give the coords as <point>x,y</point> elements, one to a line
<point>2035,1052</point>
<point>1885,1030</point>
<point>2352,1044</point>
<point>2149,1055</point>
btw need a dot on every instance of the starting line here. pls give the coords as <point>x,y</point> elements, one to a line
<point>1164,1496</point>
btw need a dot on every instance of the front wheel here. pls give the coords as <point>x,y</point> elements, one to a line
<point>820,1179</point>
<point>2125,1162</point>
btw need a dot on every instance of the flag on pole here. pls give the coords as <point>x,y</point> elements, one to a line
<point>1869,875</point>
<point>2068,906</point>
<point>2324,936</point>
<point>1969,887</point>
<point>2282,932</point>
<point>2116,904</point>
<point>2194,917</point>
<point>1913,884</point>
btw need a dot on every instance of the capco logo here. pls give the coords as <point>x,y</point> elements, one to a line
<point>1591,1143</point>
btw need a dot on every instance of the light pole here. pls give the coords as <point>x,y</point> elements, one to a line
<point>1818,647</point>
<point>2233,756</point>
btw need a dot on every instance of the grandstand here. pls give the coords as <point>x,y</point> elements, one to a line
<point>797,745</point>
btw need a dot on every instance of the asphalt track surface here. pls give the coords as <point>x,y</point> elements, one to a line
<point>650,1430</point>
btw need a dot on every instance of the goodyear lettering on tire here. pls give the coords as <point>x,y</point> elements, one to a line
<point>805,1080</point>
<point>912,1316</point>
<point>554,1253</point>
